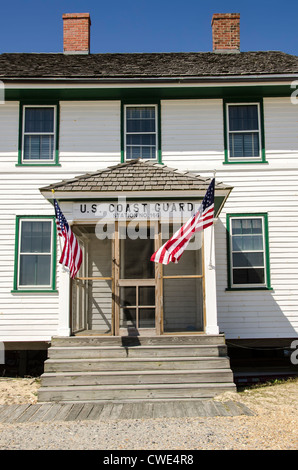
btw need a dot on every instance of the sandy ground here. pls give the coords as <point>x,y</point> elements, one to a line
<point>273,427</point>
<point>18,391</point>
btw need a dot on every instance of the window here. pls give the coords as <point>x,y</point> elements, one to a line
<point>35,248</point>
<point>248,251</point>
<point>244,136</point>
<point>140,132</point>
<point>39,139</point>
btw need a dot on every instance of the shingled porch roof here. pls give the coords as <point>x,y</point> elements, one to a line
<point>135,179</point>
<point>134,176</point>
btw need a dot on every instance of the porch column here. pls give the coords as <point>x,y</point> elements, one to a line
<point>210,282</point>
<point>64,303</point>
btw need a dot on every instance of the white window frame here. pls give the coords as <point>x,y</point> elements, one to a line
<point>37,161</point>
<point>33,286</point>
<point>155,106</point>
<point>244,159</point>
<point>264,251</point>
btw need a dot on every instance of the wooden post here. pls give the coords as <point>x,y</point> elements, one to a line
<point>116,292</point>
<point>158,283</point>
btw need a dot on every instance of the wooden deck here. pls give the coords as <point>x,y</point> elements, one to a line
<point>51,412</point>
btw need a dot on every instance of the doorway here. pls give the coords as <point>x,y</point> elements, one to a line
<point>119,291</point>
<point>137,283</point>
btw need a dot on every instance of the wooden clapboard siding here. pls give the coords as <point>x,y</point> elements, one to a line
<point>251,314</point>
<point>89,139</point>
<point>9,133</point>
<point>192,139</point>
<point>90,135</point>
<point>192,133</point>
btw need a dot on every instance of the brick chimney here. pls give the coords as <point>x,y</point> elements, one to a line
<point>226,32</point>
<point>76,33</point>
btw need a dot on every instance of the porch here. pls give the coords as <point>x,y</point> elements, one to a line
<point>120,292</point>
<point>130,329</point>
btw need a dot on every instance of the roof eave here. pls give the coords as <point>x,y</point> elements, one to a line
<point>84,195</point>
<point>173,79</point>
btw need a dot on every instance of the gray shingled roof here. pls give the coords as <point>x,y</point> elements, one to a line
<point>135,175</point>
<point>145,65</point>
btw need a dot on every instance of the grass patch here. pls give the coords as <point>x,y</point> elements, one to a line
<point>269,383</point>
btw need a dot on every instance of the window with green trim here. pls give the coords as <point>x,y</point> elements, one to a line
<point>35,253</point>
<point>248,251</point>
<point>244,133</point>
<point>39,135</point>
<point>140,132</point>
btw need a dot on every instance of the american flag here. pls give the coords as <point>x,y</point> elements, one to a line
<point>71,256</point>
<point>172,250</point>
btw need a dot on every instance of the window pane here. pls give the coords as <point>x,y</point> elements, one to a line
<point>140,152</point>
<point>243,118</point>
<point>248,259</point>
<point>35,237</point>
<point>249,276</point>
<point>244,145</point>
<point>144,125</point>
<point>146,295</point>
<point>146,318</point>
<point>127,317</point>
<point>35,270</point>
<point>249,242</point>
<point>38,147</point>
<point>140,119</point>
<point>141,139</point>
<point>236,226</point>
<point>128,296</point>
<point>39,120</point>
<point>257,225</point>
<point>135,256</point>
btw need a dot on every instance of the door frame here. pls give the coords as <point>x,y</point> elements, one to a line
<point>117,283</point>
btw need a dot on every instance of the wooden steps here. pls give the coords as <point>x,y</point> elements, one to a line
<point>136,368</point>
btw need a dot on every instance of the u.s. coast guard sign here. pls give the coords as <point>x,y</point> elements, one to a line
<point>135,210</point>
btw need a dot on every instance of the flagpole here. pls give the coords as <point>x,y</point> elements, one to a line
<point>212,230</point>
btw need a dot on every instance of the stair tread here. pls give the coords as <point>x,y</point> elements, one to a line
<point>138,359</point>
<point>138,386</point>
<point>137,372</point>
<point>140,346</point>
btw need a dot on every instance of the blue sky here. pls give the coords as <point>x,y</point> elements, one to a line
<point>147,26</point>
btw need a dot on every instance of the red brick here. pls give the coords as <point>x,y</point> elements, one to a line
<point>226,31</point>
<point>76,32</point>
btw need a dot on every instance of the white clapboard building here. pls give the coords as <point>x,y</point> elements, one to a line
<point>128,144</point>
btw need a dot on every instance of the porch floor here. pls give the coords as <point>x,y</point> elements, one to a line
<point>50,412</point>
